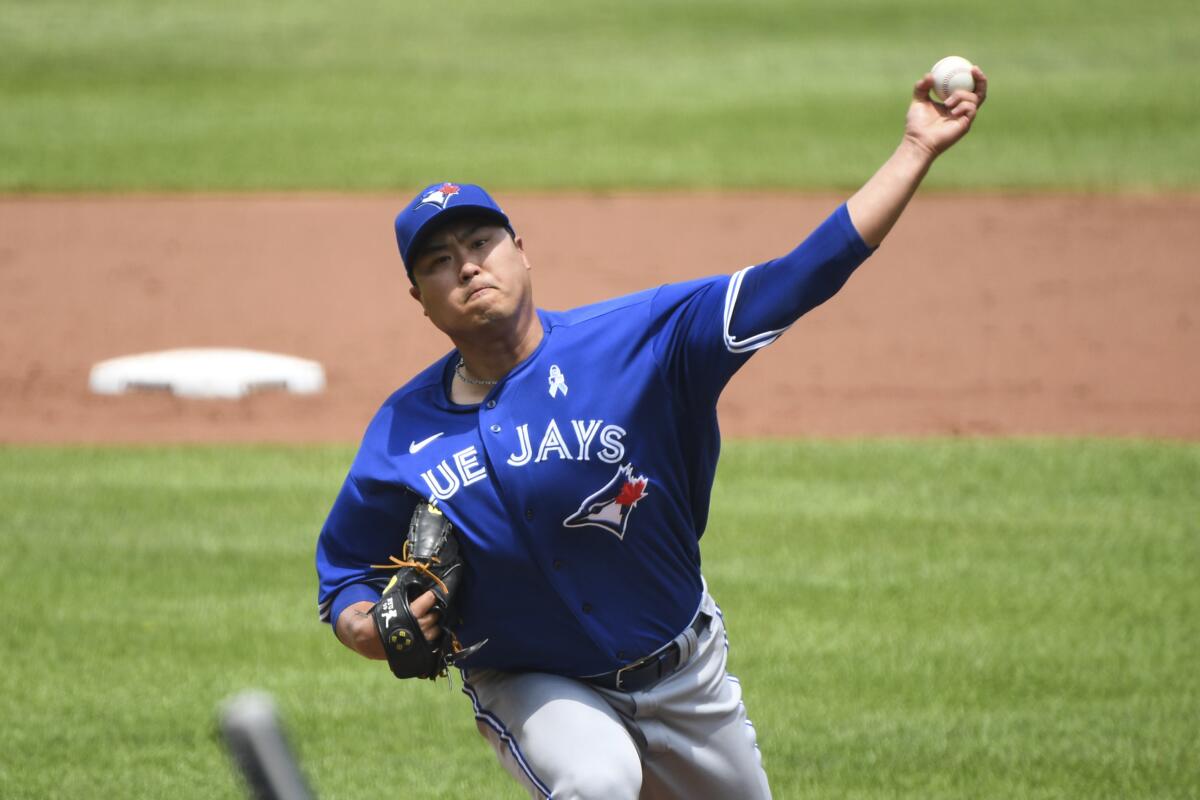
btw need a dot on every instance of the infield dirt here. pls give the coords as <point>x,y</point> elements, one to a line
<point>993,315</point>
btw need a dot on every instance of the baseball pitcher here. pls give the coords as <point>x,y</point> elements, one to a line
<point>528,509</point>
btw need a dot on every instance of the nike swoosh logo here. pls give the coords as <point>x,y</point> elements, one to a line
<point>416,447</point>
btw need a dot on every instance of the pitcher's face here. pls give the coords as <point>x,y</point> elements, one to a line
<point>471,274</point>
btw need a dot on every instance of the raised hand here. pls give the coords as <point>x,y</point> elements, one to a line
<point>936,127</point>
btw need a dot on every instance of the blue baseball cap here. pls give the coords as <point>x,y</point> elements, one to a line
<point>438,203</point>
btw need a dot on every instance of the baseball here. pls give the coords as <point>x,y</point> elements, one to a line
<point>949,74</point>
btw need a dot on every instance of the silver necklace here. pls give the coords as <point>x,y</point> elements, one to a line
<point>460,371</point>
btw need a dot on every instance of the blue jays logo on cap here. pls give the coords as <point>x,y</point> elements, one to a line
<point>441,202</point>
<point>439,196</point>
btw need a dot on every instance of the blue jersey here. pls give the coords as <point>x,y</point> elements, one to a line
<point>580,486</point>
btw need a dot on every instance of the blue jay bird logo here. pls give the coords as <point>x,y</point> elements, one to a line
<point>440,195</point>
<point>610,507</point>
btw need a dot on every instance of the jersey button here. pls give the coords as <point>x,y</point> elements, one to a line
<point>495,429</point>
<point>491,403</point>
<point>621,655</point>
<point>587,608</point>
<point>558,564</point>
<point>529,513</point>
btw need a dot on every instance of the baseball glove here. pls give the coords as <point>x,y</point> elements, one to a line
<point>431,562</point>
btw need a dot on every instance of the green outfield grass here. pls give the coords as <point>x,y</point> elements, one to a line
<point>295,94</point>
<point>934,619</point>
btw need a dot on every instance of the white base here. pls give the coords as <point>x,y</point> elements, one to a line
<point>211,372</point>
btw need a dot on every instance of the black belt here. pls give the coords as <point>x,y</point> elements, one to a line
<point>646,672</point>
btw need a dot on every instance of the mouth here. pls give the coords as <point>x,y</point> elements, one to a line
<point>477,291</point>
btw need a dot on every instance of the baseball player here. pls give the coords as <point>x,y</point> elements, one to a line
<point>572,454</point>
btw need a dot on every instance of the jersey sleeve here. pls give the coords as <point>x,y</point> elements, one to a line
<point>708,329</point>
<point>368,523</point>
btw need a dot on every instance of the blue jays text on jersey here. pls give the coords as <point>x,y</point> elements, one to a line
<point>580,486</point>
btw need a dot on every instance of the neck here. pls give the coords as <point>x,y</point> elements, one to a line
<point>492,355</point>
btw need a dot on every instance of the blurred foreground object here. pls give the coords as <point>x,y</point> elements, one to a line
<point>250,726</point>
<point>207,372</point>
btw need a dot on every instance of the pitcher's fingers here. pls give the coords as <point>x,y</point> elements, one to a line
<point>921,88</point>
<point>421,606</point>
<point>963,105</point>
<point>427,618</point>
<point>981,83</point>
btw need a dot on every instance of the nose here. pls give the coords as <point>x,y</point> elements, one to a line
<point>469,269</point>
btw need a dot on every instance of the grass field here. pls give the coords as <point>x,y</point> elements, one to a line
<point>217,94</point>
<point>934,619</point>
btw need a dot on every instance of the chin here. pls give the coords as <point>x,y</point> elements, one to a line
<point>492,316</point>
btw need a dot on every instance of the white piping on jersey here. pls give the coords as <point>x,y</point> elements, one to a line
<point>750,343</point>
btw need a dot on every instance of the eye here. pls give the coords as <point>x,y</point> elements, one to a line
<point>430,264</point>
<point>478,243</point>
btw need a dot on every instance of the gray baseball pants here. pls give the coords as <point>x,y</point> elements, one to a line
<point>684,737</point>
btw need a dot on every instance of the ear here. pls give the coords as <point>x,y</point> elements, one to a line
<point>520,243</point>
<point>415,294</point>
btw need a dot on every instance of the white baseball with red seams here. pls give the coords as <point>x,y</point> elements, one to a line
<point>950,74</point>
